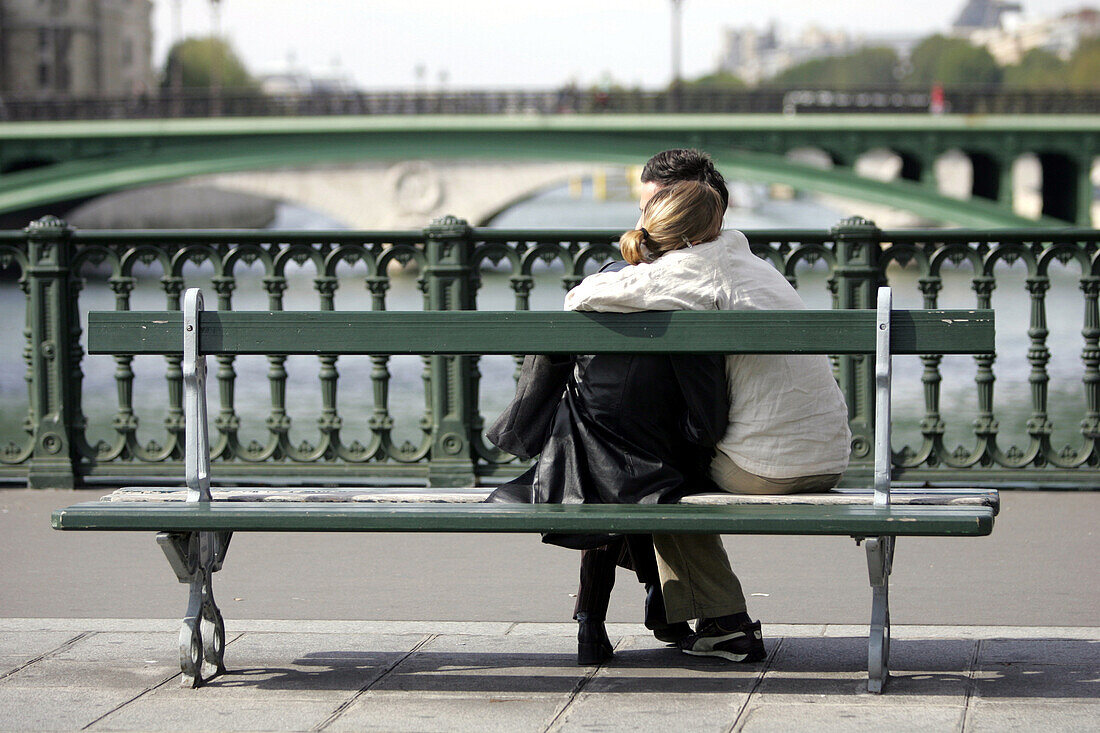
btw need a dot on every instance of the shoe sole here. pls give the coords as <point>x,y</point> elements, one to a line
<point>750,657</point>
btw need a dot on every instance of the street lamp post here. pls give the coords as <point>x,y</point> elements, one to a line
<point>217,61</point>
<point>175,71</point>
<point>674,97</point>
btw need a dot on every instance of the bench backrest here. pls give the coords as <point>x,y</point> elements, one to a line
<point>537,332</point>
<point>195,334</point>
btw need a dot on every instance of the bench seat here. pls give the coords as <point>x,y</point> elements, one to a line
<point>801,519</point>
<point>839,496</point>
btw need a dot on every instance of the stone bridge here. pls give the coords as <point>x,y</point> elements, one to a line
<point>407,194</point>
<point>43,163</point>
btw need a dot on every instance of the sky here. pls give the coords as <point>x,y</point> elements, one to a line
<point>379,44</point>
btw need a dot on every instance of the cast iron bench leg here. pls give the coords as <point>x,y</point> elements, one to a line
<point>880,557</point>
<point>195,557</point>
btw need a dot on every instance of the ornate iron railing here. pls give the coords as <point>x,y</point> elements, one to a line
<point>398,420</point>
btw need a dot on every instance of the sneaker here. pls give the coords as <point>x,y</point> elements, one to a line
<point>744,644</point>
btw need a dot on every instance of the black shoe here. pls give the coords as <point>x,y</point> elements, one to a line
<point>593,646</point>
<point>673,633</point>
<point>657,622</point>
<point>743,644</point>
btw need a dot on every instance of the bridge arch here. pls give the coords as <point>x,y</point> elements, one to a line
<point>913,166</point>
<point>1059,200</point>
<point>988,174</point>
<point>402,194</point>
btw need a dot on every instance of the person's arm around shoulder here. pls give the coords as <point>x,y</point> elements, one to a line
<point>677,281</point>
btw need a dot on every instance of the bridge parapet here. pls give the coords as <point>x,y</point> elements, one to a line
<point>421,419</point>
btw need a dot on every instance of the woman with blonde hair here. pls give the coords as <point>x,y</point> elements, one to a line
<point>787,428</point>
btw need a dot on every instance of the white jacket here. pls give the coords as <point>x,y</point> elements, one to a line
<point>787,414</point>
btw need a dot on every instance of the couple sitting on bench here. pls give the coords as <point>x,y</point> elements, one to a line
<point>653,428</point>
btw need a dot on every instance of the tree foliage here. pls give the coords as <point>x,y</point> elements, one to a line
<point>862,68</point>
<point>951,62</point>
<point>1083,69</point>
<point>1037,69</point>
<point>199,60</point>
<point>716,80</point>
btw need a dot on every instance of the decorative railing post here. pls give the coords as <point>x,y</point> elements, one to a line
<point>856,278</point>
<point>449,280</point>
<point>53,320</point>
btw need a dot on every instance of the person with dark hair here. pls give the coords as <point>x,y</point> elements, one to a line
<point>788,422</point>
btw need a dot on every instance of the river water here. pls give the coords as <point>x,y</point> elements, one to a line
<point>556,208</point>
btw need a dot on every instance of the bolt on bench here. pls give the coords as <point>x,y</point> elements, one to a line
<point>194,526</point>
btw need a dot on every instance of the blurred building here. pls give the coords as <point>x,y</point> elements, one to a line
<point>979,15</point>
<point>58,49</point>
<point>1013,35</point>
<point>756,55</point>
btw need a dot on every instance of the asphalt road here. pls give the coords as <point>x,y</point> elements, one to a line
<point>1039,568</point>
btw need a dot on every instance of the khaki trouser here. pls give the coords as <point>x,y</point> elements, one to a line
<point>696,577</point>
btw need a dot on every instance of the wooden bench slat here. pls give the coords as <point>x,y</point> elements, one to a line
<point>928,497</point>
<point>799,519</point>
<point>540,332</point>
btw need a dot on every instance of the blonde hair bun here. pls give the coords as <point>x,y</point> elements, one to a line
<point>633,247</point>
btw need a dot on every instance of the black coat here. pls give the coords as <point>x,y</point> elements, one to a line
<point>630,429</point>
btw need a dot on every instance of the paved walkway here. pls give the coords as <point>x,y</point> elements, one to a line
<point>1036,569</point>
<point>122,674</point>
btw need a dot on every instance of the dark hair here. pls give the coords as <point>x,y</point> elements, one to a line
<point>684,164</point>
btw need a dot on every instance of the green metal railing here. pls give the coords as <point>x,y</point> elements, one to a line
<point>438,404</point>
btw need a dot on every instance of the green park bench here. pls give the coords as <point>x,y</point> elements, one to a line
<point>194,525</point>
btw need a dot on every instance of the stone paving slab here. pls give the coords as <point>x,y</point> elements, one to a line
<point>489,664</point>
<point>29,644</point>
<point>830,670</point>
<point>650,687</point>
<point>444,712</point>
<point>1026,717</point>
<point>1039,682</point>
<point>215,713</point>
<point>1082,652</point>
<point>309,666</point>
<point>54,708</point>
<point>408,676</point>
<point>785,717</point>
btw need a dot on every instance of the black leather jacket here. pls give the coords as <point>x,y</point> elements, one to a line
<point>630,429</point>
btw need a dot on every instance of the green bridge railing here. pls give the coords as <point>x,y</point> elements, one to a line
<point>70,419</point>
